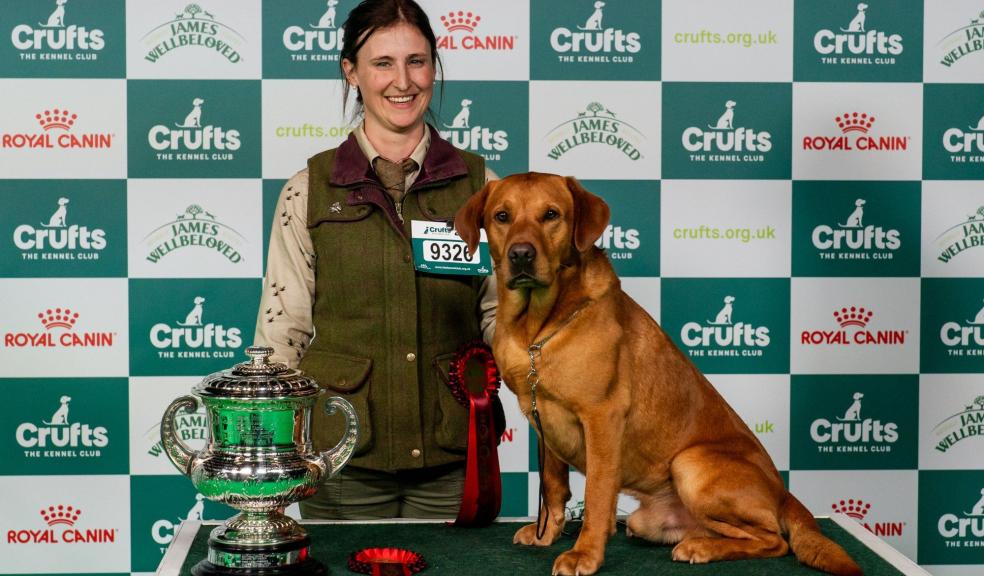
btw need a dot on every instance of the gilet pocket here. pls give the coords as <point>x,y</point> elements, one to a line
<point>348,377</point>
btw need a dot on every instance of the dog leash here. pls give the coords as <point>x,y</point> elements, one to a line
<point>533,380</point>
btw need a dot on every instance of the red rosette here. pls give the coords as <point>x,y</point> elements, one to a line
<point>472,352</point>
<point>386,561</point>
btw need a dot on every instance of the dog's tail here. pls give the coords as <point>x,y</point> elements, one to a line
<point>809,545</point>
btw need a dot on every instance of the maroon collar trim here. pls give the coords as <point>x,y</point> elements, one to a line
<point>442,162</point>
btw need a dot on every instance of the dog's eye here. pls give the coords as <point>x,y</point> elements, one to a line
<point>502,216</point>
<point>551,214</point>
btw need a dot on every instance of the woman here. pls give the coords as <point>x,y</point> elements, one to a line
<point>341,268</point>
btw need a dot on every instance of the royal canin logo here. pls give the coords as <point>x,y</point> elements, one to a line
<point>461,25</point>
<point>56,125</point>
<point>55,517</point>
<point>858,509</point>
<point>860,123</point>
<point>58,325</point>
<point>853,317</point>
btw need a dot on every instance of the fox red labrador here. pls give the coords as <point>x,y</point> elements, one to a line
<point>616,399</point>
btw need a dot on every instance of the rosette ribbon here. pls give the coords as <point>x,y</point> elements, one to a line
<point>474,381</point>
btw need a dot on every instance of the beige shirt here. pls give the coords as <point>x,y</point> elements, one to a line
<point>284,321</point>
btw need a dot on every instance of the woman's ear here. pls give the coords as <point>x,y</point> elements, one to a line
<point>348,68</point>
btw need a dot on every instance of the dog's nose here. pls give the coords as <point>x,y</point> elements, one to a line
<point>522,254</point>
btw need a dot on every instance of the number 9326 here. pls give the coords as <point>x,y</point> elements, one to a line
<point>444,251</point>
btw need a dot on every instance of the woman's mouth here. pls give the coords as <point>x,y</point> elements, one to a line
<point>400,99</point>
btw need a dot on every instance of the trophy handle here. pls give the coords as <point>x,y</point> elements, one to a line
<point>179,453</point>
<point>336,458</point>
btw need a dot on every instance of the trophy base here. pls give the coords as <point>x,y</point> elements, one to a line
<point>309,567</point>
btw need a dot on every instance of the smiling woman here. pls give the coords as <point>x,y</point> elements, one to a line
<point>344,266</point>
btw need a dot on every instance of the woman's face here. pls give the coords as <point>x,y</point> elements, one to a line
<point>395,74</point>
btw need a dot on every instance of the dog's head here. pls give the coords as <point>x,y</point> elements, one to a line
<point>729,299</point>
<point>862,7</point>
<point>197,102</point>
<point>199,300</point>
<point>62,201</point>
<point>466,103</point>
<point>599,4</point>
<point>858,395</point>
<point>65,399</point>
<point>730,104</point>
<point>859,202</point>
<point>535,224</point>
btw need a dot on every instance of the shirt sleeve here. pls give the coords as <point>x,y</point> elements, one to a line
<point>488,298</point>
<point>284,321</point>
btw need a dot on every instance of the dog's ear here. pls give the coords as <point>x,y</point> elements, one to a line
<point>591,215</point>
<point>468,220</point>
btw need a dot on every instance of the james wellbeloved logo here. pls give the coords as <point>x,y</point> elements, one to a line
<point>595,126</point>
<point>963,41</point>
<point>725,142</point>
<point>198,228</point>
<point>58,330</point>
<point>967,235</point>
<point>459,27</point>
<point>854,422</point>
<point>852,322</point>
<point>595,39</point>
<point>58,238</point>
<point>847,40</point>
<point>461,132</point>
<point>61,436</point>
<point>63,526</point>
<point>55,125</point>
<point>858,510</point>
<point>854,135</point>
<point>193,27</point>
<point>58,37</point>
<point>729,326</point>
<point>964,424</point>
<point>191,428</point>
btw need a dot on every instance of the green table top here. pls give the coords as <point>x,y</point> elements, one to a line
<point>489,550</point>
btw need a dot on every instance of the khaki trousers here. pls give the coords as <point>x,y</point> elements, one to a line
<point>360,494</point>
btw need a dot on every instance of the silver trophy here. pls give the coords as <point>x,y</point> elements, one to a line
<point>258,459</point>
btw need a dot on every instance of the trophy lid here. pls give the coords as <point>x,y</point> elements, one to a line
<point>258,378</point>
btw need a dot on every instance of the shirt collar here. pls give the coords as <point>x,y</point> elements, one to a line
<point>418,154</point>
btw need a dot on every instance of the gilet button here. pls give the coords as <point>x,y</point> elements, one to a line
<point>415,452</point>
<point>411,357</point>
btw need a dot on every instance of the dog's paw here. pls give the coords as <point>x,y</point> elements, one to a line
<point>693,551</point>
<point>527,535</point>
<point>574,563</point>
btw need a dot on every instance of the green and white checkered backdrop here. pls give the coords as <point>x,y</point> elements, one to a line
<point>796,190</point>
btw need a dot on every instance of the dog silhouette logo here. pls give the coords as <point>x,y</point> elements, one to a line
<point>594,21</point>
<point>194,318</point>
<point>60,417</point>
<point>194,118</point>
<point>978,509</point>
<point>461,120</point>
<point>196,511</point>
<point>57,18</point>
<point>857,24</point>
<point>327,20</point>
<point>854,220</point>
<point>980,125</point>
<point>853,413</point>
<point>723,317</point>
<point>57,219</point>
<point>726,120</point>
<point>978,320</point>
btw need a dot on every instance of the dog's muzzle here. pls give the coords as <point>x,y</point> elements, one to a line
<point>522,257</point>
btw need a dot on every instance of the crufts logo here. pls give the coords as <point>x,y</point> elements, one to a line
<point>194,227</point>
<point>460,26</point>
<point>851,433</point>
<point>961,237</point>
<point>59,332</point>
<point>56,125</point>
<point>966,339</point>
<point>858,509</point>
<point>596,125</point>
<point>728,338</point>
<point>54,40</point>
<point>162,531</point>
<point>968,423</point>
<point>965,146</point>
<point>61,521</point>
<point>190,140</point>
<point>725,141</point>
<point>853,240</point>
<point>194,338</point>
<point>619,242</point>
<point>853,317</point>
<point>486,141</point>
<point>856,44</point>
<point>592,42</point>
<point>58,437</point>
<point>967,529</point>
<point>323,38</point>
<point>57,239</point>
<point>193,26</point>
<point>859,123</point>
<point>963,41</point>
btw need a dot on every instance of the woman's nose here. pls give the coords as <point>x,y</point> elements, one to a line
<point>402,81</point>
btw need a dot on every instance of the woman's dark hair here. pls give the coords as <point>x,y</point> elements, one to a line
<point>372,15</point>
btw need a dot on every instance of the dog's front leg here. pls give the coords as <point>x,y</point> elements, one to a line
<point>603,448</point>
<point>557,491</point>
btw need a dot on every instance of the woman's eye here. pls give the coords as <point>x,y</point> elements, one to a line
<point>502,216</point>
<point>551,214</point>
